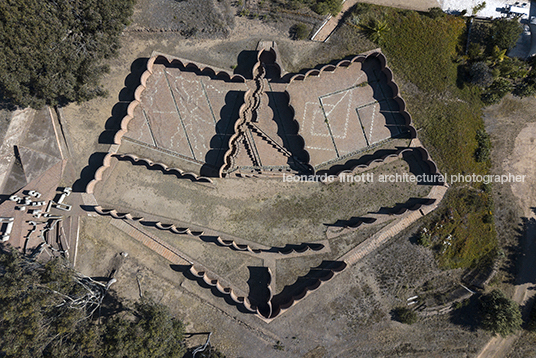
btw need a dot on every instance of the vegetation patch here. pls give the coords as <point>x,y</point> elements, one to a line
<point>49,310</point>
<point>322,7</point>
<point>486,64</point>
<point>52,52</point>
<point>423,50</point>
<point>464,235</point>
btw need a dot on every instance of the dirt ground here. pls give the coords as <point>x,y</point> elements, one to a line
<point>350,317</point>
<point>512,127</point>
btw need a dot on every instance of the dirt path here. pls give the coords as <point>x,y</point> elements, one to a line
<point>331,24</point>
<point>522,161</point>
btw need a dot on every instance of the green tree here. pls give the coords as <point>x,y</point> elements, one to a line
<point>479,7</point>
<point>53,52</point>
<point>505,33</point>
<point>499,314</point>
<point>48,311</point>
<point>153,333</point>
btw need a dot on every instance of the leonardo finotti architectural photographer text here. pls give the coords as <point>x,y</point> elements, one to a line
<point>406,178</point>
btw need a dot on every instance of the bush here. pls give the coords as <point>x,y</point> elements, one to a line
<point>527,87</point>
<point>405,315</point>
<point>435,12</point>
<point>483,150</point>
<point>499,314</point>
<point>498,89</point>
<point>424,238</point>
<point>299,31</point>
<point>480,74</point>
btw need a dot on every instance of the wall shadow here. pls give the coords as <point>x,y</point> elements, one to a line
<point>219,144</point>
<point>353,222</point>
<point>185,270</point>
<point>245,62</point>
<point>412,204</point>
<point>365,160</point>
<point>126,95</point>
<point>383,93</point>
<point>287,130</point>
<point>259,291</point>
<point>88,172</point>
<point>310,281</point>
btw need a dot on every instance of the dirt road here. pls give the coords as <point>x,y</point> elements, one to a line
<point>523,162</point>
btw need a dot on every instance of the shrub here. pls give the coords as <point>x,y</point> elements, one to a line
<point>483,150</point>
<point>527,87</point>
<point>498,89</point>
<point>424,238</point>
<point>499,314</point>
<point>300,31</point>
<point>435,12</point>
<point>405,315</point>
<point>324,7</point>
<point>480,74</point>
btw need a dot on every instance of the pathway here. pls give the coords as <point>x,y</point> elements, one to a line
<point>499,346</point>
<point>331,24</point>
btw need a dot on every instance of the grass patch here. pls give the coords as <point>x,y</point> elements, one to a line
<point>464,236</point>
<point>423,52</point>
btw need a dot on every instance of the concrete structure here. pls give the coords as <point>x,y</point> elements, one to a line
<point>207,125</point>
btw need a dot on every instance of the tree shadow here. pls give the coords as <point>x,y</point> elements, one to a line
<point>467,315</point>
